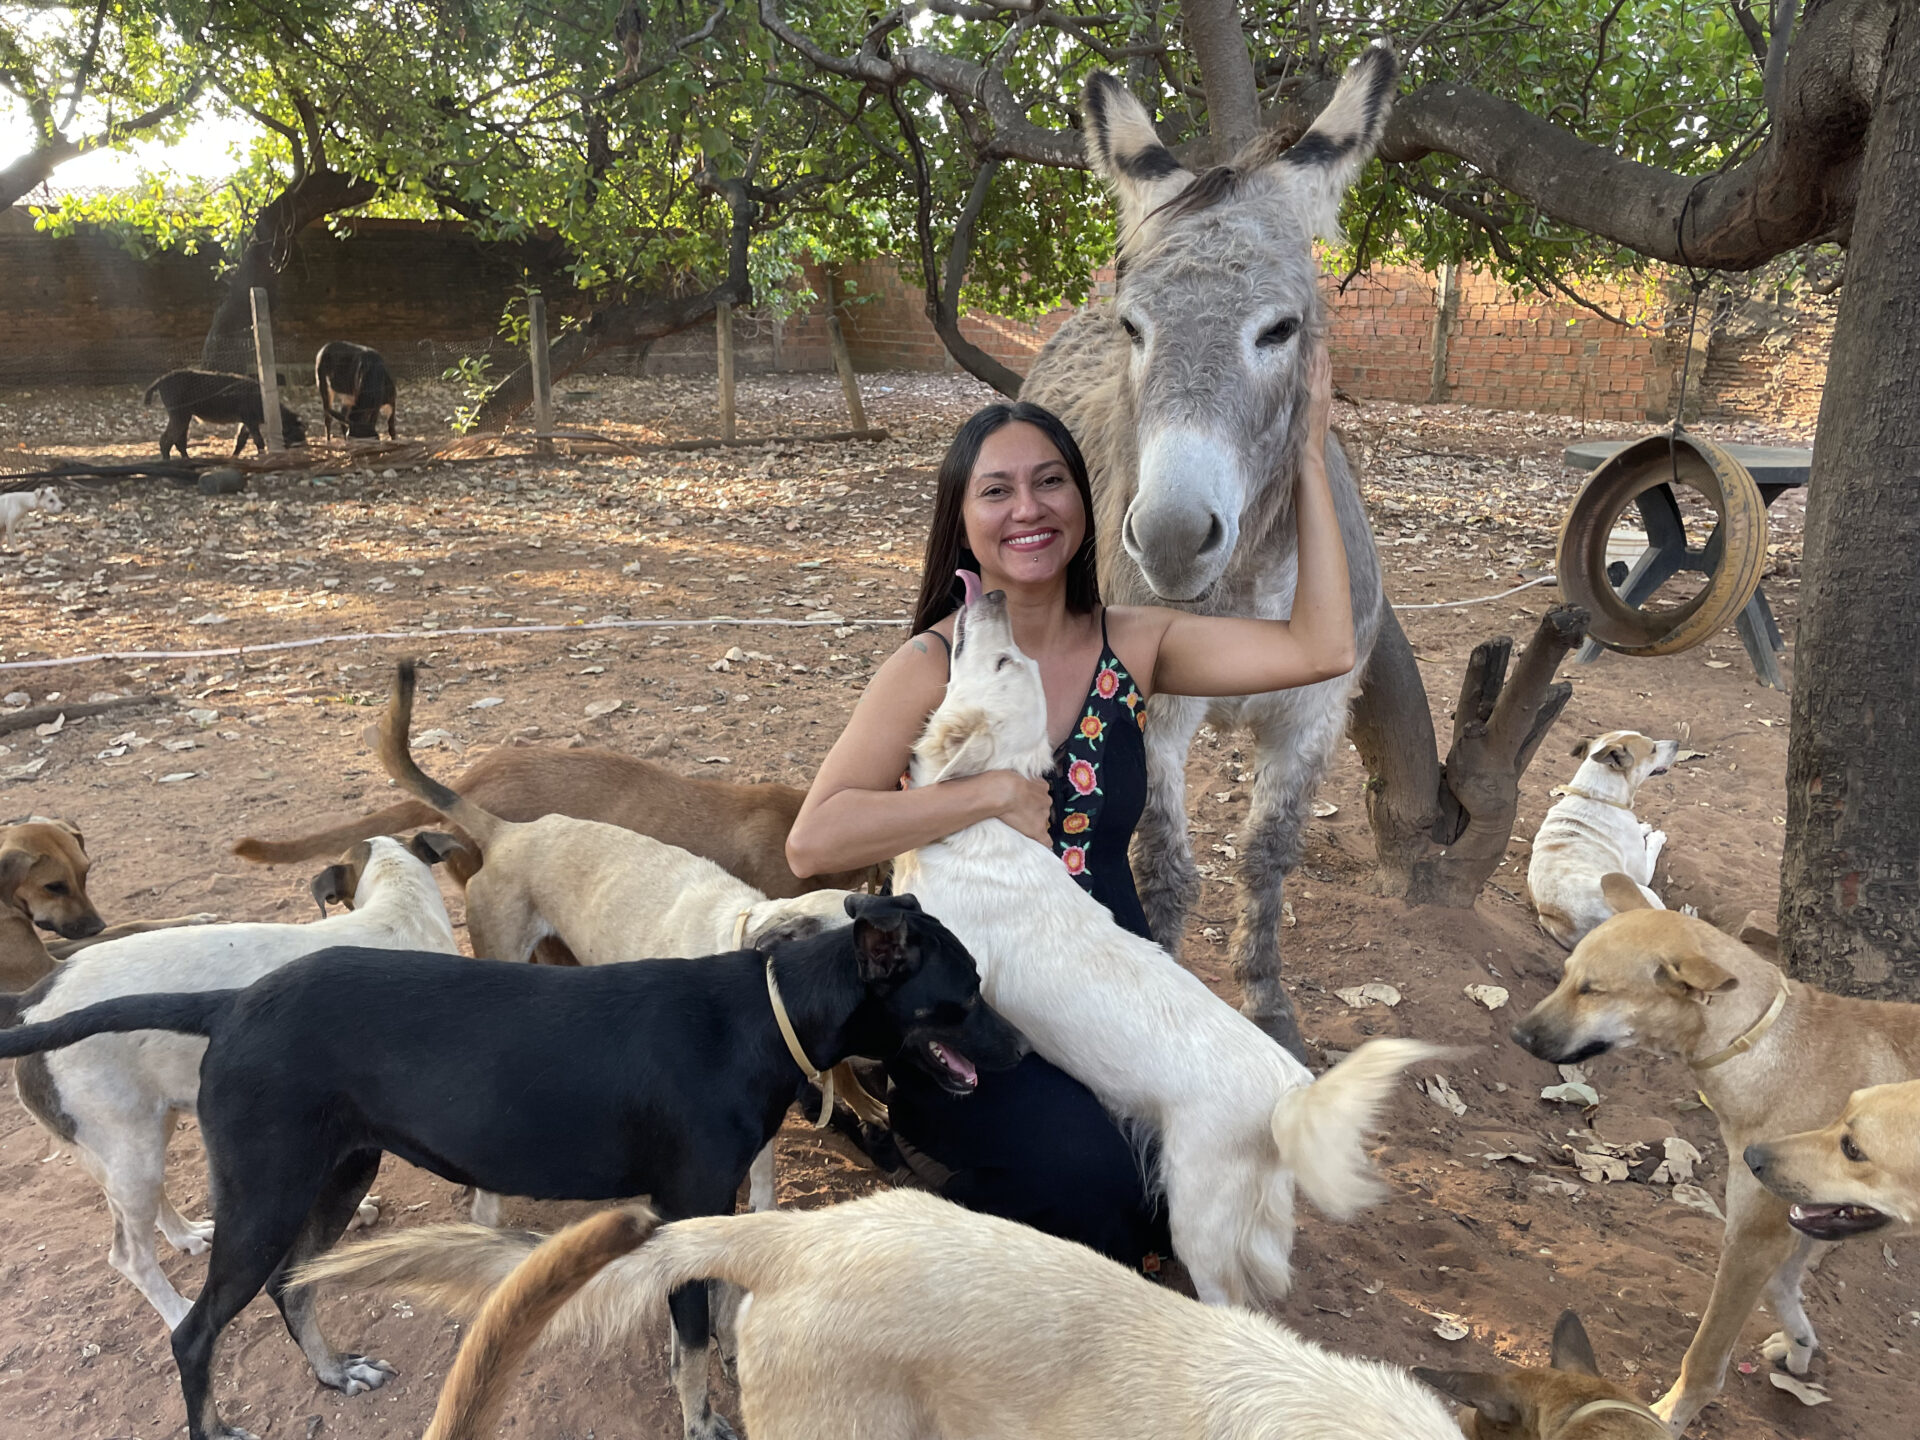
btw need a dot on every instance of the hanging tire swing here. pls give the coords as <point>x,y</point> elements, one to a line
<point>1733,558</point>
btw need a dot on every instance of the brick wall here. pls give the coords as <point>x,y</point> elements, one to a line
<point>84,309</point>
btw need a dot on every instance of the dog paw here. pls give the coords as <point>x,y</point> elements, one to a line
<point>367,1214</point>
<point>1785,1354</point>
<point>196,1239</point>
<point>358,1373</point>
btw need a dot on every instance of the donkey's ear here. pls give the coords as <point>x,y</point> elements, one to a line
<point>1320,167</point>
<point>1124,150</point>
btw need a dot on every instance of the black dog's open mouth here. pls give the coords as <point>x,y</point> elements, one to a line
<point>1836,1222</point>
<point>954,1071</point>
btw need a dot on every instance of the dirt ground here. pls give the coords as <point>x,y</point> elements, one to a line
<point>1465,504</point>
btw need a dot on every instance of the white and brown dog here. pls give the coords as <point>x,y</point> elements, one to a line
<point>15,504</point>
<point>1593,831</point>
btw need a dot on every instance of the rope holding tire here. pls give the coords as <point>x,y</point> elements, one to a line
<point>1741,538</point>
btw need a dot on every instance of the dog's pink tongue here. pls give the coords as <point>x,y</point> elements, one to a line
<point>971,583</point>
<point>956,1063</point>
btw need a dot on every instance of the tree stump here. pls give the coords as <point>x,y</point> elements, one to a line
<point>1441,827</point>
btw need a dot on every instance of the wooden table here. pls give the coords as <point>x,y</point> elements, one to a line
<point>1776,469</point>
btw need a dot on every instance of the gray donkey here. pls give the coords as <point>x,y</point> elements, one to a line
<point>1186,393</point>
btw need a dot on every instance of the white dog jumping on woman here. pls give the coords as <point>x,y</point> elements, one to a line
<point>1238,1118</point>
<point>1593,832</point>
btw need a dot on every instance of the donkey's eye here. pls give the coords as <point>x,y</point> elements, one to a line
<point>1133,330</point>
<point>1852,1151</point>
<point>1278,333</point>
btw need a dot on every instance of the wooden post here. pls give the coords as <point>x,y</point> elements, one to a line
<point>269,381</point>
<point>723,345</point>
<point>843,362</point>
<point>542,375</point>
<point>1437,387</point>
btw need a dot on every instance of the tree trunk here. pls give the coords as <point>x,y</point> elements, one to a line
<point>314,196</point>
<point>1849,887</point>
<point>634,323</point>
<point>1440,830</point>
<point>1226,74</point>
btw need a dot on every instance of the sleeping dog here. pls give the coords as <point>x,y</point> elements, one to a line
<point>663,1079</point>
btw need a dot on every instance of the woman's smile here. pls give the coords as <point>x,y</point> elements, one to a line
<point>1027,541</point>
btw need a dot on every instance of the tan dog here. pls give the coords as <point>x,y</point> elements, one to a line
<point>741,828</point>
<point>897,1315</point>
<point>1567,1402</point>
<point>1593,831</point>
<point>1771,1056</point>
<point>1859,1175</point>
<point>43,884</point>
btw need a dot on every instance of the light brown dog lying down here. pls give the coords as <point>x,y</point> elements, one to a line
<point>1858,1176</point>
<point>1570,1401</point>
<point>1772,1056</point>
<point>43,885</point>
<point>897,1315</point>
<point>741,828</point>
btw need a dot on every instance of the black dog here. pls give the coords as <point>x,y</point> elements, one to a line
<point>660,1077</point>
<point>220,399</point>
<point>361,376</point>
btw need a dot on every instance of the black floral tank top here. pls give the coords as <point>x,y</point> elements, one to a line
<point>1099,785</point>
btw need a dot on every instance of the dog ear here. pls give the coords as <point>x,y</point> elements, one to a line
<point>1491,1395</point>
<point>880,948</point>
<point>1621,893</point>
<point>14,866</point>
<point>1571,1348</point>
<point>960,743</point>
<point>66,825</point>
<point>1694,973</point>
<point>1580,751</point>
<point>1619,757</point>
<point>434,846</point>
<point>333,886</point>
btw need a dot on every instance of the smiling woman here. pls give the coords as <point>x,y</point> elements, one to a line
<point>1013,513</point>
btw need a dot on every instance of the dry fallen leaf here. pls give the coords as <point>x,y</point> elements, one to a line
<point>1372,993</point>
<point>1595,1168</point>
<point>53,726</point>
<point>1719,664</point>
<point>1451,1329</point>
<point>1495,1156</point>
<point>1800,1390</point>
<point>488,703</point>
<point>1440,1090</point>
<point>1694,1198</point>
<point>1491,996</point>
<point>1323,809</point>
<point>597,708</point>
<point>1571,1093</point>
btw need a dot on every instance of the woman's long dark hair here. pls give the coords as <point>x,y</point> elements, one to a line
<point>947,551</point>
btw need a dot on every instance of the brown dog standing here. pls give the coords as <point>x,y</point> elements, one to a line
<point>1771,1056</point>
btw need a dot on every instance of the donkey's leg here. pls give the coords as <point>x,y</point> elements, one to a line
<point>1294,743</point>
<point>1162,856</point>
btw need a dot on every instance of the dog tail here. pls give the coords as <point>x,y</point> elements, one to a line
<point>152,388</point>
<point>397,759</point>
<point>195,1013</point>
<point>1321,1128</point>
<point>316,844</point>
<point>459,1266</point>
<point>516,1314</point>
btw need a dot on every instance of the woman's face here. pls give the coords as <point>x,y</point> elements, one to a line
<point>1023,515</point>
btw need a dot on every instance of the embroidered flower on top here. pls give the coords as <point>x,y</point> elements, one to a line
<point>1092,726</point>
<point>1083,777</point>
<point>1106,684</point>
<point>1075,857</point>
<point>1075,822</point>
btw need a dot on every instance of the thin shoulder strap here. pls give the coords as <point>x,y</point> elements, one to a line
<point>946,642</point>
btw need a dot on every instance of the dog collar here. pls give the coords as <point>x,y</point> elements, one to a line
<point>1752,1037</point>
<point>1629,1407</point>
<point>1589,795</point>
<point>822,1078</point>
